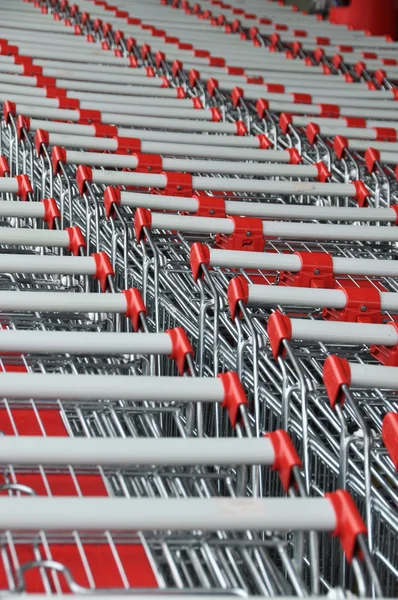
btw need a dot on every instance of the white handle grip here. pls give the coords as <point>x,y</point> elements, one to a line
<point>50,265</point>
<point>307,330</point>
<point>373,376</point>
<point>62,301</point>
<point>197,166</point>
<point>171,148</point>
<point>34,210</point>
<point>231,259</point>
<point>281,188</point>
<point>30,450</point>
<point>34,237</point>
<point>274,514</point>
<point>306,231</point>
<point>94,387</point>
<point>85,342</point>
<point>8,185</point>
<point>254,209</point>
<point>267,295</point>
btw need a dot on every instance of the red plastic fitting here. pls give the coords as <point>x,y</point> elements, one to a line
<point>241,128</point>
<point>318,54</point>
<point>263,142</point>
<point>336,374</point>
<point>51,212</point>
<point>23,60</point>
<point>127,145</point>
<point>262,106</point>
<point>235,71</point>
<point>312,130</point>
<point>236,95</point>
<point>135,307</point>
<point>159,58</point>
<point>199,256</point>
<point>274,88</point>
<point>322,41</point>
<point>4,167</point>
<point>386,355</point>
<point>215,114</point>
<point>355,122</point>
<point>210,206</point>
<point>89,116</point>
<point>316,271</point>
<point>148,163</point>
<point>69,103</point>
<point>302,98</point>
<point>32,70</point>
<point>201,53</point>
<point>181,348</point>
<point>101,130</point>
<point>340,144</point>
<point>112,197</point>
<point>176,67</point>
<point>58,155</point>
<point>286,457</point>
<point>24,187</point>
<point>142,218</point>
<point>323,172</point>
<point>216,61</point>
<point>256,80</point>
<point>247,235</point>
<point>349,522</point>
<point>76,239</point>
<point>380,76</point>
<point>329,110</point>
<point>54,92</point>
<point>177,184</point>
<point>145,49</point>
<point>42,81</point>
<point>234,395</point>
<point>295,157</point>
<point>371,157</point>
<point>41,139</point>
<point>389,433</point>
<point>285,121</point>
<point>9,108</point>
<point>103,269</point>
<point>193,77</point>
<point>363,305</point>
<point>212,85</point>
<point>238,291</point>
<point>385,134</point>
<point>279,328</point>
<point>361,193</point>
<point>23,125</point>
<point>197,103</point>
<point>84,175</point>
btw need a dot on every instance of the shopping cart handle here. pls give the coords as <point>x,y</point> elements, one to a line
<point>226,389</point>
<point>173,343</point>
<point>338,374</point>
<point>335,513</point>
<point>70,238</point>
<point>45,209</point>
<point>56,451</point>
<point>19,185</point>
<point>390,436</point>
<point>280,327</point>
